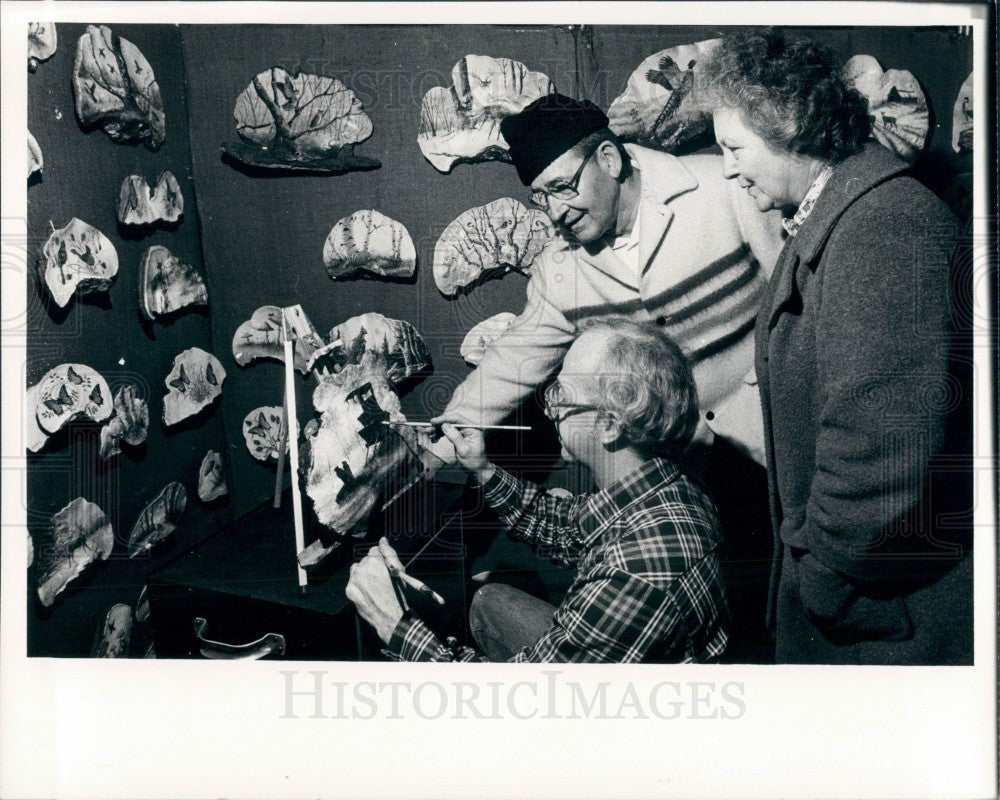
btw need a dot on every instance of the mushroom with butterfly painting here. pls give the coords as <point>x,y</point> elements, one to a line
<point>69,392</point>
<point>193,384</point>
<point>77,259</point>
<point>262,433</point>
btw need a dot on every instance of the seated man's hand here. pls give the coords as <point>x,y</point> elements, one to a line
<point>470,450</point>
<point>370,589</point>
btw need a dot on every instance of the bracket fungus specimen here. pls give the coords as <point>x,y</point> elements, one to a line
<point>502,235</point>
<point>80,533</point>
<point>35,161</point>
<point>897,107</point>
<point>659,107</point>
<point>262,432</point>
<point>71,391</point>
<point>260,337</point>
<point>130,423</point>
<point>158,520</point>
<point>139,204</point>
<point>34,437</point>
<point>478,340</point>
<point>193,384</point>
<point>961,119</point>
<point>300,122</point>
<point>79,259</point>
<point>167,284</point>
<point>354,455</point>
<point>115,88</point>
<point>378,344</point>
<point>462,122</point>
<point>42,42</point>
<point>370,241</point>
<point>211,482</point>
<point>113,638</point>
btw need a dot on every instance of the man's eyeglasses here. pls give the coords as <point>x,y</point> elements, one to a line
<point>556,402</point>
<point>562,190</point>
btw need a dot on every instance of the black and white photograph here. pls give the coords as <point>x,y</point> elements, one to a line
<point>641,365</point>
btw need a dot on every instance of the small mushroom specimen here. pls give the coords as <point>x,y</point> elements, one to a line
<point>115,634</point>
<point>262,432</point>
<point>391,347</point>
<point>660,107</point>
<point>194,383</point>
<point>68,392</point>
<point>481,336</point>
<point>462,122</point>
<point>167,284</point>
<point>115,87</point>
<point>42,42</point>
<point>138,204</point>
<point>80,533</point>
<point>260,337</point>
<point>302,121</point>
<point>369,241</point>
<point>961,119</point>
<point>897,107</point>
<point>79,259</point>
<point>158,520</point>
<point>501,236</point>
<point>130,423</point>
<point>34,437</point>
<point>211,481</point>
<point>35,161</point>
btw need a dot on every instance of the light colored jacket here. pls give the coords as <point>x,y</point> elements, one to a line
<point>705,256</point>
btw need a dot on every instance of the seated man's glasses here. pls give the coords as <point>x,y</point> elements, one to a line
<point>556,402</point>
<point>561,190</point>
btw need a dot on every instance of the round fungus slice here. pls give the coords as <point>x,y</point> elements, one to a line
<point>370,241</point>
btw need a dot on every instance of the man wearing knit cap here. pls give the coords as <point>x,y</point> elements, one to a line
<point>641,233</point>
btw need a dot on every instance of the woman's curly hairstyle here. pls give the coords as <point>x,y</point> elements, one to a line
<point>791,94</point>
<point>646,380</point>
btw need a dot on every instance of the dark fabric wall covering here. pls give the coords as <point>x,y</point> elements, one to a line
<point>82,175</point>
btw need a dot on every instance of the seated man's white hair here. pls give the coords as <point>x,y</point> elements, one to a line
<point>646,382</point>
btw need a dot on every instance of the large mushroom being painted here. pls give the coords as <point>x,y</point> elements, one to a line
<point>462,122</point>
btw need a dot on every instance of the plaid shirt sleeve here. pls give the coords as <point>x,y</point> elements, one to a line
<point>546,523</point>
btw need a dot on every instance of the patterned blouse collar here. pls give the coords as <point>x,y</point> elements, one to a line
<point>792,225</point>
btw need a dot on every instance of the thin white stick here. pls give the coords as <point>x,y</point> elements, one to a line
<point>293,456</point>
<point>410,424</point>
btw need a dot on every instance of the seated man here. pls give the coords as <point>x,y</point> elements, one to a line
<point>647,585</point>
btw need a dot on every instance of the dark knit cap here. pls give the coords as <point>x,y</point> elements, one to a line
<point>544,130</point>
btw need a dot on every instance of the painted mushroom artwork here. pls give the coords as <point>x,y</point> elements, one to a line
<point>659,107</point>
<point>129,424</point>
<point>77,259</point>
<point>369,242</point>
<point>300,122</point>
<point>461,123</point>
<point>43,40</point>
<point>34,437</point>
<point>158,519</point>
<point>262,432</point>
<point>486,241</point>
<point>114,635</point>
<point>115,88</point>
<point>193,384</point>
<point>211,481</point>
<point>139,204</point>
<point>81,533</point>
<point>167,284</point>
<point>260,337</point>
<point>961,119</point>
<point>478,340</point>
<point>69,392</point>
<point>380,345</point>
<point>35,160</point>
<point>897,107</point>
<point>353,455</point>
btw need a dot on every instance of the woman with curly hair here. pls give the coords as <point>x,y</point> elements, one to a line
<point>852,349</point>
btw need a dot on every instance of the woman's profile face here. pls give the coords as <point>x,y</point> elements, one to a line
<point>773,178</point>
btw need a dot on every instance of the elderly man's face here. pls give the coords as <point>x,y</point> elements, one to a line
<point>594,211</point>
<point>577,414</point>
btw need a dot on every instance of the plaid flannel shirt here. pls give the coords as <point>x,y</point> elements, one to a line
<point>648,585</point>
